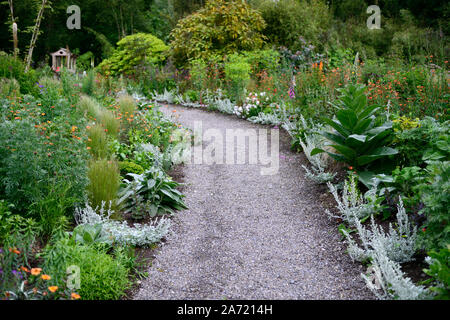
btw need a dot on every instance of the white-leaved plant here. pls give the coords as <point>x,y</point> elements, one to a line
<point>388,281</point>
<point>399,243</point>
<point>352,207</point>
<point>167,96</point>
<point>266,118</point>
<point>319,162</point>
<point>120,231</point>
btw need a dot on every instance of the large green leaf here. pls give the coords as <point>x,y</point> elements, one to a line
<point>347,118</point>
<point>334,137</point>
<point>376,154</point>
<point>337,126</point>
<point>348,152</point>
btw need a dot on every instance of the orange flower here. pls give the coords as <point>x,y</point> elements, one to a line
<point>45,277</point>
<point>36,271</point>
<point>14,250</point>
<point>25,269</point>
<point>89,148</point>
<point>53,288</point>
<point>75,296</point>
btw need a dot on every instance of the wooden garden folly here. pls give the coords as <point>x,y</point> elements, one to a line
<point>63,58</point>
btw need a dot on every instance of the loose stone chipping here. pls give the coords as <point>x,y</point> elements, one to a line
<point>249,236</point>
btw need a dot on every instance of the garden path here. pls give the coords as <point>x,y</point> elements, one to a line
<point>250,236</point>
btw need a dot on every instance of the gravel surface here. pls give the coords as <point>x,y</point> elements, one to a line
<point>250,236</point>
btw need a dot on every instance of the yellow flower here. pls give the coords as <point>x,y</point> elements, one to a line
<point>45,277</point>
<point>53,288</point>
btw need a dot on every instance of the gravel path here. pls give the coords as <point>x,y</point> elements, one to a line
<point>250,236</point>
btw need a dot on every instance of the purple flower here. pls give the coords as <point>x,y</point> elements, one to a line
<point>291,93</point>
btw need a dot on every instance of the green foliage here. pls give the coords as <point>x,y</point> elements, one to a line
<point>84,61</point>
<point>36,158</point>
<point>102,276</point>
<point>104,181</point>
<point>357,138</point>
<point>425,141</point>
<point>127,105</point>
<point>9,87</point>
<point>110,123</point>
<point>287,20</point>
<point>90,107</point>
<point>220,27</point>
<point>87,86</point>
<point>88,234</point>
<point>199,72</point>
<point>237,75</point>
<point>262,61</point>
<point>134,52</point>
<point>98,142</point>
<point>130,167</point>
<point>152,192</point>
<point>435,194</point>
<point>15,69</point>
<point>440,273</point>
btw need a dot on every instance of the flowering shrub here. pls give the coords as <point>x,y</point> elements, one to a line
<point>254,104</point>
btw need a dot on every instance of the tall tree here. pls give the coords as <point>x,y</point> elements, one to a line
<point>36,32</point>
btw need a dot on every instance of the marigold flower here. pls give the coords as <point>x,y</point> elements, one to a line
<point>75,296</point>
<point>36,271</point>
<point>53,288</point>
<point>45,277</point>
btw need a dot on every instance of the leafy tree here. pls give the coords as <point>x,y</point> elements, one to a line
<point>137,50</point>
<point>221,27</point>
<point>287,21</point>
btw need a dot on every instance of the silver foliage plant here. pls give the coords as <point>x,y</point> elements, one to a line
<point>399,243</point>
<point>122,233</point>
<point>266,118</point>
<point>167,96</point>
<point>388,281</point>
<point>352,206</point>
<point>319,162</point>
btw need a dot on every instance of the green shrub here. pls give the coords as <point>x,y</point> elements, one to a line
<point>424,140</point>
<point>220,27</point>
<point>130,167</point>
<point>133,53</point>
<point>15,69</point>
<point>287,20</point>
<point>237,75</point>
<point>98,142</point>
<point>104,181</point>
<point>439,271</point>
<point>102,276</point>
<point>435,194</point>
